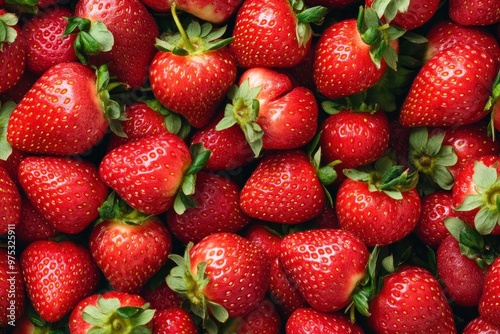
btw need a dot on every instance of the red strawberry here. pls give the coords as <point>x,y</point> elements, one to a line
<point>285,116</point>
<point>174,320</point>
<point>12,302</point>
<point>160,297</point>
<point>45,44</point>
<point>261,235</point>
<point>479,325</point>
<point>114,311</point>
<point>489,302</point>
<point>311,321</point>
<point>57,276</point>
<point>336,4</point>
<point>128,247</point>
<point>474,12</point>
<point>148,173</point>
<point>217,210</point>
<point>186,64</point>
<point>407,15</point>
<point>263,319</point>
<point>10,202</point>
<point>367,203</point>
<point>32,225</point>
<point>17,92</point>
<point>74,118</point>
<point>411,301</point>
<point>326,265</point>
<point>225,273</point>
<point>12,51</point>
<point>282,26</point>
<point>66,191</point>
<point>283,188</point>
<point>461,70</point>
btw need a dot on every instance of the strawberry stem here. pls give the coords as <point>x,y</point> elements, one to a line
<point>187,42</point>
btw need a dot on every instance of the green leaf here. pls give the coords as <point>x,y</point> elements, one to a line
<point>102,36</point>
<point>486,220</point>
<point>6,110</point>
<point>93,316</point>
<point>470,202</point>
<point>484,177</point>
<point>108,305</point>
<point>218,311</point>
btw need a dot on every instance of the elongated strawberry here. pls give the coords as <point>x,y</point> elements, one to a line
<point>309,320</point>
<point>57,276</point>
<point>77,111</point>
<point>66,191</point>
<point>10,202</point>
<point>489,302</point>
<point>12,51</point>
<point>13,299</point>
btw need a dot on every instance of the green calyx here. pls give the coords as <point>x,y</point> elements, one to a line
<point>429,157</point>
<point>190,288</point>
<point>195,40</point>
<point>486,198</point>
<point>174,123</point>
<point>306,16</point>
<point>109,317</point>
<point>8,33</point>
<point>92,37</point>
<point>493,103</point>
<point>356,102</point>
<point>5,112</point>
<point>390,8</point>
<point>115,208</point>
<point>244,111</point>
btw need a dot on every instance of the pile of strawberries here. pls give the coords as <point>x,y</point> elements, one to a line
<point>249,166</point>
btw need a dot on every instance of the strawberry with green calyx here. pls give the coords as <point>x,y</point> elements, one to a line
<point>430,158</point>
<point>493,106</point>
<point>5,112</point>
<point>12,51</point>
<point>186,64</point>
<point>405,14</point>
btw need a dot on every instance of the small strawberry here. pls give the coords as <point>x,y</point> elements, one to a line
<point>66,191</point>
<point>283,26</point>
<point>13,300</point>
<point>12,51</point>
<point>174,320</point>
<point>10,202</point>
<point>489,302</point>
<point>479,325</point>
<point>32,225</point>
<point>263,319</point>
<point>57,276</point>
<point>128,247</point>
<point>311,321</point>
<point>474,12</point>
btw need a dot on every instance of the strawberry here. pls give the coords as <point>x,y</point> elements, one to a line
<point>463,69</point>
<point>12,51</point>
<point>411,300</point>
<point>32,225</point>
<point>326,265</point>
<point>113,312</point>
<point>186,64</point>
<point>260,234</point>
<point>366,203</point>
<point>127,246</point>
<point>217,210</point>
<point>309,320</point>
<point>10,202</point>
<point>149,173</point>
<point>263,319</point>
<point>408,15</point>
<point>45,44</point>
<point>161,296</point>
<point>474,12</point>
<point>105,39</point>
<point>17,92</point>
<point>335,4</point>
<point>283,26</point>
<point>488,303</point>
<point>174,320</point>
<point>10,157</point>
<point>13,300</point>
<point>66,191</point>
<point>57,276</point>
<point>284,188</point>
<point>73,96</point>
<point>223,272</point>
<point>479,325</point>
<point>273,113</point>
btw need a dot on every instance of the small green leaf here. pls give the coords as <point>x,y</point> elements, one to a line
<point>470,202</point>
<point>485,220</point>
<point>102,35</point>
<point>484,177</point>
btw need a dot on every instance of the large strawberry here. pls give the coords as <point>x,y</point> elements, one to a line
<point>12,51</point>
<point>66,191</point>
<point>489,302</point>
<point>10,202</point>
<point>57,276</point>
<point>193,71</point>
<point>77,111</point>
<point>13,301</point>
<point>283,26</point>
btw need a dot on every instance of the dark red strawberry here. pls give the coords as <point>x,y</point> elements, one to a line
<point>479,325</point>
<point>474,12</point>
<point>13,300</point>
<point>33,225</point>
<point>12,51</point>
<point>263,236</point>
<point>174,320</point>
<point>10,202</point>
<point>311,321</point>
<point>57,276</point>
<point>489,302</point>
<point>263,319</point>
<point>161,296</point>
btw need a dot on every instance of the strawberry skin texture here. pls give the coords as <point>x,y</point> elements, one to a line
<point>73,120</point>
<point>32,225</point>
<point>67,192</point>
<point>284,188</point>
<point>271,23</point>
<point>325,264</point>
<point>147,172</point>
<point>474,12</point>
<point>12,61</point>
<point>174,320</point>
<point>57,276</point>
<point>263,319</point>
<point>10,202</point>
<point>194,85</point>
<point>11,287</point>
<point>490,298</point>
<point>451,88</point>
<point>310,321</point>
<point>411,301</point>
<point>128,254</point>
<point>479,325</point>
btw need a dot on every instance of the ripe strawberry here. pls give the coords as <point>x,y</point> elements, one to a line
<point>479,325</point>
<point>309,320</point>
<point>66,191</point>
<point>12,51</point>
<point>149,173</point>
<point>45,44</point>
<point>263,319</point>
<point>225,273</point>
<point>10,202</point>
<point>489,302</point>
<point>282,26</point>
<point>264,237</point>
<point>74,119</point>
<point>128,52</point>
<point>32,225</point>
<point>474,12</point>
<point>12,302</point>
<point>411,300</point>
<point>367,203</point>
<point>113,311</point>
<point>160,297</point>
<point>326,265</point>
<point>128,247</point>
<point>408,15</point>
<point>283,188</point>
<point>463,69</point>
<point>217,210</point>
<point>17,92</point>
<point>174,320</point>
<point>57,276</point>
<point>271,110</point>
<point>335,4</point>
<point>186,64</point>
